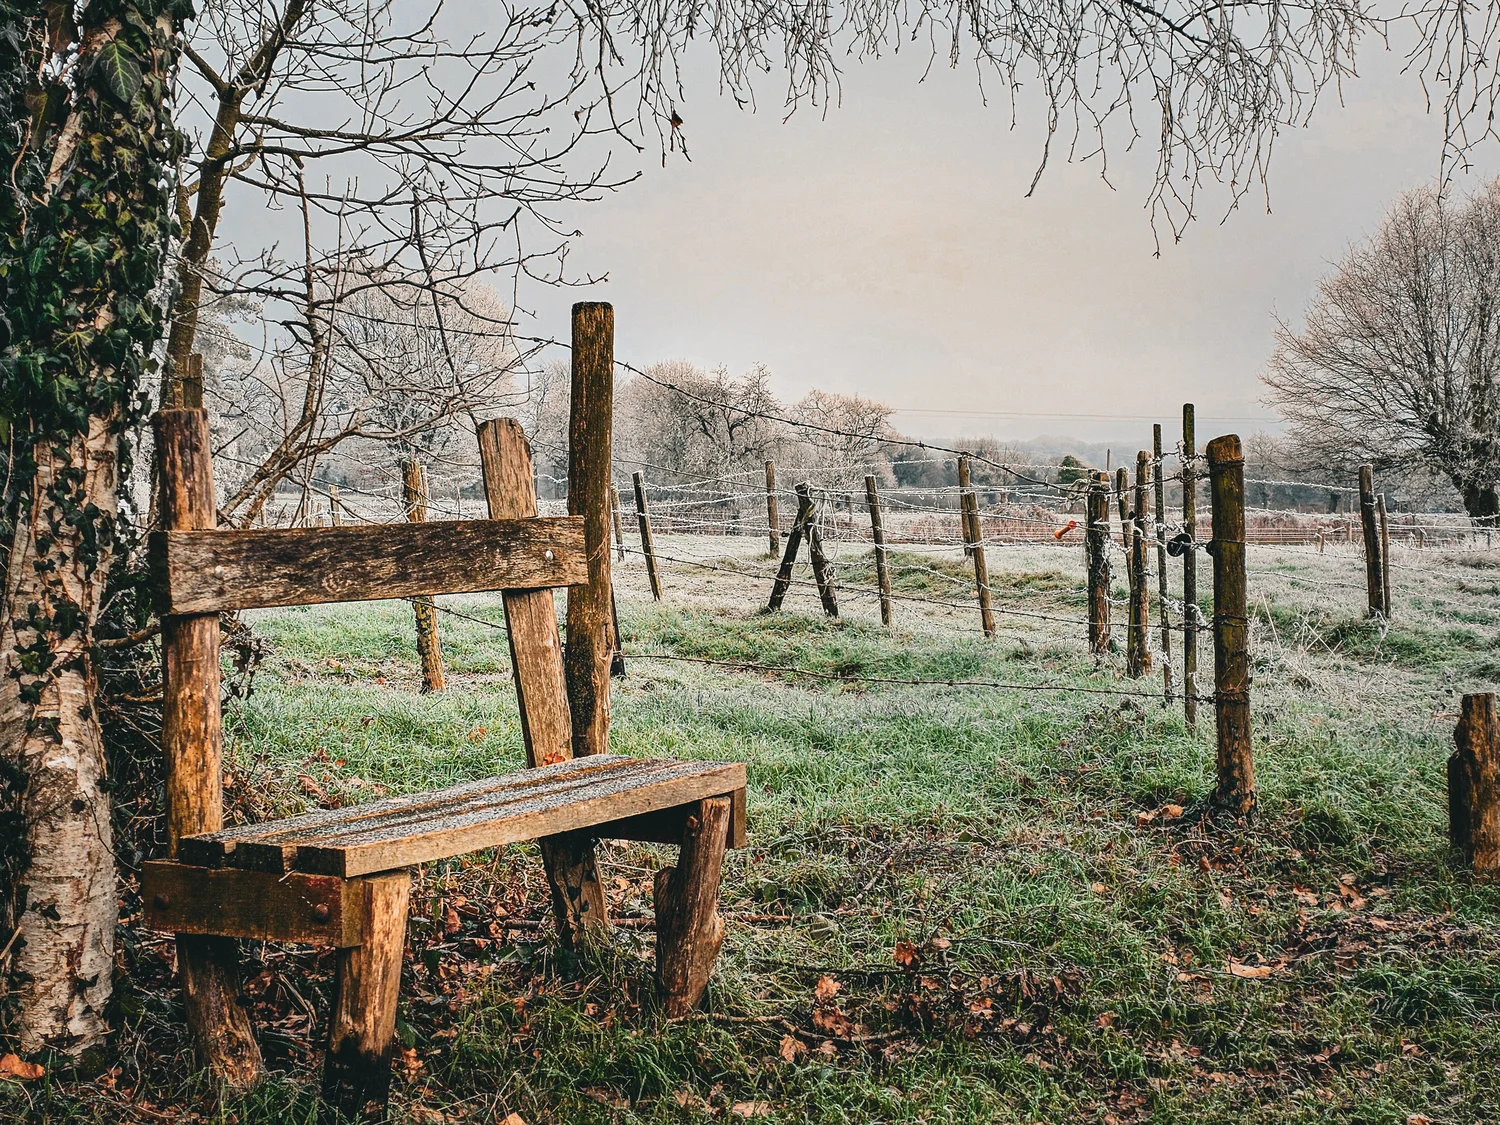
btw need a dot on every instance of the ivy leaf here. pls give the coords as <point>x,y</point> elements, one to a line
<point>118,71</point>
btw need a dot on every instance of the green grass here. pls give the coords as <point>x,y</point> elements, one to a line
<point>1078,941</point>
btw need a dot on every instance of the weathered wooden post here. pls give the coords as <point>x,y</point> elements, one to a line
<point>1159,480</point>
<point>773,511</point>
<point>877,532</point>
<point>1474,785</point>
<point>822,568</point>
<point>643,522</point>
<point>1189,568</point>
<point>1369,522</point>
<point>1138,637</point>
<point>1127,526</point>
<point>192,745</point>
<point>793,542</point>
<point>619,522</point>
<point>590,648</point>
<point>1096,551</point>
<point>1385,556</point>
<point>429,645</point>
<point>967,516</point>
<point>1235,790</point>
<point>334,511</point>
<point>974,548</point>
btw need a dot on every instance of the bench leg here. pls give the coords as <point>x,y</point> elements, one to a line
<point>209,970</point>
<point>577,894</point>
<point>362,1028</point>
<point>689,930</point>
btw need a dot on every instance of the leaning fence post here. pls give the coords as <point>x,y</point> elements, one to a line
<point>1189,568</point>
<point>1474,784</point>
<point>1138,637</point>
<point>966,517</point>
<point>773,513</point>
<point>877,532</point>
<point>1236,764</point>
<point>614,504</point>
<point>429,646</point>
<point>822,568</point>
<point>1369,523</point>
<point>793,541</point>
<point>1385,556</point>
<point>1159,480</point>
<point>643,522</point>
<point>974,547</point>
<point>1096,550</point>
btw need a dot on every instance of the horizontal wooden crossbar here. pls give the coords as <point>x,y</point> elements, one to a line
<point>583,793</point>
<point>316,909</point>
<point>209,571</point>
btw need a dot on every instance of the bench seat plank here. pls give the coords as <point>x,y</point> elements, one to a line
<point>209,571</point>
<point>526,805</point>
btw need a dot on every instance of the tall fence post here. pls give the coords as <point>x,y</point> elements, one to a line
<point>1235,789</point>
<point>614,506</point>
<point>966,520</point>
<point>1385,556</point>
<point>1189,568</point>
<point>821,566</point>
<point>877,532</point>
<point>1474,784</point>
<point>429,645</point>
<point>793,542</point>
<point>773,511</point>
<point>1138,637</point>
<point>643,522</point>
<point>1369,523</point>
<point>1159,480</point>
<point>192,746</point>
<point>974,547</point>
<point>1096,551</point>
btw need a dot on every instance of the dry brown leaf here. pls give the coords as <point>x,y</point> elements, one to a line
<point>513,1119</point>
<point>826,988</point>
<point>792,1048</point>
<point>607,1097</point>
<point>1099,889</point>
<point>906,955</point>
<point>750,1109</point>
<point>12,1066</point>
<point>1250,972</point>
<point>1171,812</point>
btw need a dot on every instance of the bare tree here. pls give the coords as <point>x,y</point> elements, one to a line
<point>1398,362</point>
<point>847,443</point>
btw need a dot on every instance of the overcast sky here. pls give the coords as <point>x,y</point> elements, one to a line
<point>889,249</point>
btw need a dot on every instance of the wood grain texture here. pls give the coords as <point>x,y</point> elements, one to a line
<point>877,533</point>
<point>668,825</point>
<point>1096,554</point>
<point>202,571</point>
<point>1138,636</point>
<point>1474,785</point>
<point>773,509</point>
<point>229,902</point>
<point>586,658</point>
<point>192,745</point>
<point>1235,789</point>
<point>1158,481</point>
<point>822,565</point>
<point>1190,566</point>
<point>689,931</point>
<point>975,549</point>
<point>783,580</point>
<point>362,1023</point>
<point>1370,525</point>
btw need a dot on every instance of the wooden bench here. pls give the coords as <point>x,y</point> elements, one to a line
<point>340,877</point>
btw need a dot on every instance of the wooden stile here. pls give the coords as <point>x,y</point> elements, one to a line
<point>648,546</point>
<point>773,513</point>
<point>1158,479</point>
<point>1235,789</point>
<point>1096,550</point>
<point>822,567</point>
<point>1138,636</point>
<point>590,646</point>
<point>1370,525</point>
<point>1189,568</point>
<point>1474,785</point>
<point>192,743</point>
<point>429,645</point>
<point>783,580</point>
<point>877,533</point>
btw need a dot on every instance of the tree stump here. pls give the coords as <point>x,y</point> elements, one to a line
<point>1474,785</point>
<point>689,930</point>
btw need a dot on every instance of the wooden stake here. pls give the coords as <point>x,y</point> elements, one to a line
<point>1474,785</point>
<point>1189,568</point>
<point>1385,556</point>
<point>966,518</point>
<point>877,532</point>
<point>590,648</point>
<point>614,504</point>
<point>793,542</point>
<point>1374,566</point>
<point>362,1023</point>
<point>1159,480</point>
<point>1138,638</point>
<point>1096,553</point>
<point>822,568</point>
<point>429,645</point>
<point>335,513</point>
<point>192,744</point>
<point>689,930</point>
<point>773,512</point>
<point>974,548</point>
<point>1235,790</point>
<point>648,547</point>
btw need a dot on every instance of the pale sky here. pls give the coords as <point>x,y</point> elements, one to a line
<point>888,249</point>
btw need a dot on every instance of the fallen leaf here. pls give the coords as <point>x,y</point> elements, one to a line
<point>1250,972</point>
<point>1107,1019</point>
<point>906,955</point>
<point>513,1119</point>
<point>451,921</point>
<point>1171,812</point>
<point>826,988</point>
<point>750,1109</point>
<point>792,1048</point>
<point>607,1097</point>
<point>11,1066</point>
<point>1099,888</point>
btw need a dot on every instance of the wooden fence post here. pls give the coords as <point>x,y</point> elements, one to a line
<point>1374,567</point>
<point>877,532</point>
<point>192,745</point>
<point>974,547</point>
<point>773,511</point>
<point>614,505</point>
<point>1096,552</point>
<point>1189,568</point>
<point>1235,790</point>
<point>1474,785</point>
<point>793,542</point>
<point>1385,556</point>
<point>334,512</point>
<point>822,568</point>
<point>643,522</point>
<point>1138,637</point>
<point>1159,480</point>
<point>429,645</point>
<point>966,517</point>
<point>590,648</point>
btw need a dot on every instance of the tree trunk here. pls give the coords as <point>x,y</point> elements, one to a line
<point>1482,502</point>
<point>60,926</point>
